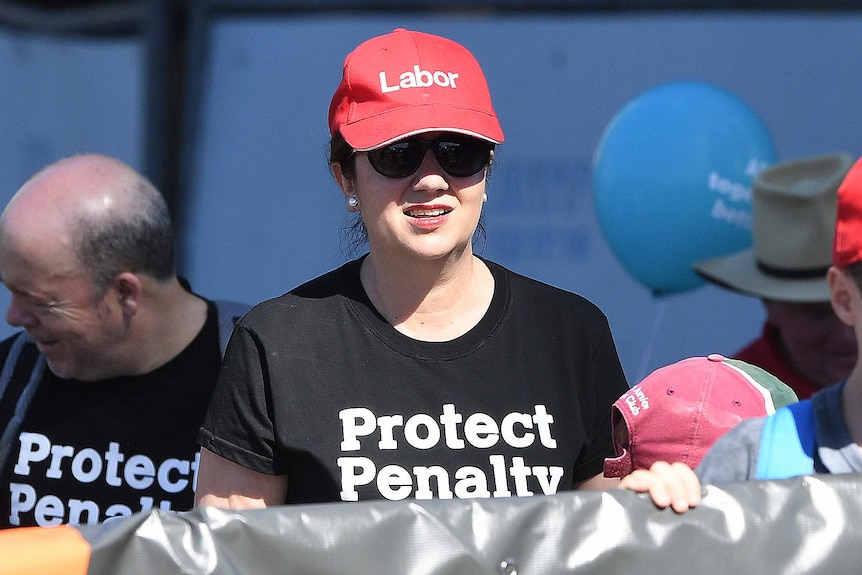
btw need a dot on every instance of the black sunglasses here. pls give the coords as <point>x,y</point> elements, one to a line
<point>458,155</point>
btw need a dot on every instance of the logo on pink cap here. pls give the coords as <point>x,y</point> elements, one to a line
<point>636,400</point>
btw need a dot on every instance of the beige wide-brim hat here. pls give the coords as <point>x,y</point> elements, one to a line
<point>793,208</point>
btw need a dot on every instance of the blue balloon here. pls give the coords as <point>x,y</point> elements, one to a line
<point>672,181</point>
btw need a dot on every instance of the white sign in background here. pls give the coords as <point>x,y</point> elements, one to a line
<point>265,214</point>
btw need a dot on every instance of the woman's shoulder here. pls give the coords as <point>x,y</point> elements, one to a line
<point>325,290</point>
<point>541,293</point>
<point>343,279</point>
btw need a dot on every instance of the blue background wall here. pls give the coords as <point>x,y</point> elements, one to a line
<point>265,214</point>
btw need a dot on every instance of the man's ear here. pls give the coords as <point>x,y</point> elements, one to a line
<point>128,288</point>
<point>843,295</point>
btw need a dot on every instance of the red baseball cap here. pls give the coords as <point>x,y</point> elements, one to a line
<point>678,411</point>
<point>405,83</point>
<point>847,248</point>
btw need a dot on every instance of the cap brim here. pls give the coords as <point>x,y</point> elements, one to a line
<point>381,129</point>
<point>740,272</point>
<point>618,466</point>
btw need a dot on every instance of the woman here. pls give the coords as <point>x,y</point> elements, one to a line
<point>418,370</point>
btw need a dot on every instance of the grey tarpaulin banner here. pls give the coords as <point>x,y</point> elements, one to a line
<point>804,525</point>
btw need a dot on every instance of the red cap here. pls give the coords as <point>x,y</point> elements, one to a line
<point>405,83</point>
<point>677,412</point>
<point>847,248</point>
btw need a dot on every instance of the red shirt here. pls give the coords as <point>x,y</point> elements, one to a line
<point>765,353</point>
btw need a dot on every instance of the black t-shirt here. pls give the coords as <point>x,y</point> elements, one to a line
<point>92,451</point>
<point>318,386</point>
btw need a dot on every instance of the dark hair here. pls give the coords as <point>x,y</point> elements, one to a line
<point>354,235</point>
<point>137,237</point>
<point>341,153</point>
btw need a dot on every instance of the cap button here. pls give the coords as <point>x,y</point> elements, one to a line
<point>715,357</point>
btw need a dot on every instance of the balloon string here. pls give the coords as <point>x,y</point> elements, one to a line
<point>653,336</point>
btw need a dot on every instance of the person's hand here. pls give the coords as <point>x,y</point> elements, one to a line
<point>669,484</point>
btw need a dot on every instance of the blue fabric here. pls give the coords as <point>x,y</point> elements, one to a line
<point>787,443</point>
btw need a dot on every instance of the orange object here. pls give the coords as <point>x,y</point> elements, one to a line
<point>43,551</point>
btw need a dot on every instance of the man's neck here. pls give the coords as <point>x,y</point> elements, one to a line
<point>176,316</point>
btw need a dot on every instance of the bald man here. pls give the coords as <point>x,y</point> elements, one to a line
<point>103,392</point>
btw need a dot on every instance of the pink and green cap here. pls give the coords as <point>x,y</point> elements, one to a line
<point>678,411</point>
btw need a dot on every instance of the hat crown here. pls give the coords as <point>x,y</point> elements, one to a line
<point>793,209</point>
<point>407,82</point>
<point>793,222</point>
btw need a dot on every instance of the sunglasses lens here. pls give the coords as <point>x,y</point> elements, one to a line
<point>461,156</point>
<point>397,160</point>
<point>458,155</point>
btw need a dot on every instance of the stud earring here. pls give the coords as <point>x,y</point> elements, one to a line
<point>353,202</point>
<point>484,198</point>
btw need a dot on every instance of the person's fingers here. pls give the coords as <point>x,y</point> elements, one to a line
<point>676,485</point>
<point>690,491</point>
<point>669,485</point>
<point>639,480</point>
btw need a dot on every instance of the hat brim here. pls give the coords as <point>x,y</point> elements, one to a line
<point>740,272</point>
<point>382,129</point>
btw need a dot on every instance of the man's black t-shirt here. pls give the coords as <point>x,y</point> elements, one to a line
<point>92,451</point>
